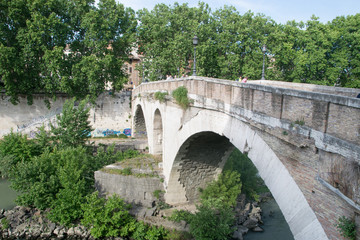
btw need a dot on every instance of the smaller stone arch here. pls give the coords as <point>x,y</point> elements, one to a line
<point>157,133</point>
<point>139,123</point>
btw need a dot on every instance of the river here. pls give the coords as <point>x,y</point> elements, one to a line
<point>7,195</point>
<point>275,226</point>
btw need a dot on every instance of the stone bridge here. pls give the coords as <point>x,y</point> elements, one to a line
<point>304,140</point>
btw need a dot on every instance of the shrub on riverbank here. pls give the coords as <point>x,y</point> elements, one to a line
<point>227,187</point>
<point>252,184</point>
<point>55,171</point>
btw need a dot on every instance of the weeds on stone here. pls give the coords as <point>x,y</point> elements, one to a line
<point>5,223</point>
<point>181,98</point>
<point>346,228</point>
<point>160,96</point>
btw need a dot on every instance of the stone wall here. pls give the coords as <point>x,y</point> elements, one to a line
<point>135,190</point>
<point>110,115</point>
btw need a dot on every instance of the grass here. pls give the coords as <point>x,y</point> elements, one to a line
<point>144,165</point>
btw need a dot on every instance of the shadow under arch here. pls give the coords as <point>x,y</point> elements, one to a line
<point>199,161</point>
<point>232,132</point>
<point>139,123</point>
<point>157,133</point>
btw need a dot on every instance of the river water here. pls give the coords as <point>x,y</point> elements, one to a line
<point>275,226</point>
<point>7,195</point>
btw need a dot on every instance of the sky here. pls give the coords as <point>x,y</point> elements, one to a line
<point>279,10</point>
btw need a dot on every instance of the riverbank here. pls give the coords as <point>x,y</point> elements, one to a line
<point>29,223</point>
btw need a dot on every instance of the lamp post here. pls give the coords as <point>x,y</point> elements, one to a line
<point>263,49</point>
<point>195,42</point>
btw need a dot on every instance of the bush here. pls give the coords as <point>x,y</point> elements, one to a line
<point>15,148</point>
<point>155,233</point>
<point>108,218</point>
<point>160,96</point>
<point>107,157</point>
<point>213,220</point>
<point>252,184</point>
<point>180,215</point>
<point>346,227</point>
<point>40,180</point>
<point>180,95</point>
<point>140,231</point>
<point>227,187</point>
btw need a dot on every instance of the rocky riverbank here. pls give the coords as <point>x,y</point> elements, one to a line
<point>248,216</point>
<point>28,223</point>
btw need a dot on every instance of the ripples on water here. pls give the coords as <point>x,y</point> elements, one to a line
<point>7,195</point>
<point>275,227</point>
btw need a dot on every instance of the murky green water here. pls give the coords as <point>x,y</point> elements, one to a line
<point>275,225</point>
<point>7,195</point>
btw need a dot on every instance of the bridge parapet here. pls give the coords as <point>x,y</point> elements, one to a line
<point>332,114</point>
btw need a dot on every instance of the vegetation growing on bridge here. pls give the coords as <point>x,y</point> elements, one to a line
<point>346,227</point>
<point>181,97</point>
<point>161,96</point>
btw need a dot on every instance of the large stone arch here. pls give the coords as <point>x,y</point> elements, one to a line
<point>157,133</point>
<point>297,212</point>
<point>200,160</point>
<point>139,123</point>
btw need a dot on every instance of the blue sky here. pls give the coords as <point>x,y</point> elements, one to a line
<point>279,10</point>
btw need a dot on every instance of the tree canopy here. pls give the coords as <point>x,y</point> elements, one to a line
<point>75,47</point>
<point>230,45</point>
<point>68,46</point>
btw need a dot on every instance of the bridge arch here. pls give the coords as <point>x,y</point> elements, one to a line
<point>139,123</point>
<point>200,160</point>
<point>233,132</point>
<point>157,133</point>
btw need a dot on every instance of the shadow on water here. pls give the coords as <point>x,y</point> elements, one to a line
<point>275,225</point>
<point>7,195</point>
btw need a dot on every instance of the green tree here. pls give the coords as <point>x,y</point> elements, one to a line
<point>40,180</point>
<point>252,184</point>
<point>345,60</point>
<point>75,176</point>
<point>227,187</point>
<point>16,148</point>
<point>72,126</point>
<point>56,46</point>
<point>165,37</point>
<point>213,220</point>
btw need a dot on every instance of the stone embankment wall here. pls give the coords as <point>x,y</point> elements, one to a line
<point>134,190</point>
<point>315,133</point>
<point>110,115</point>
